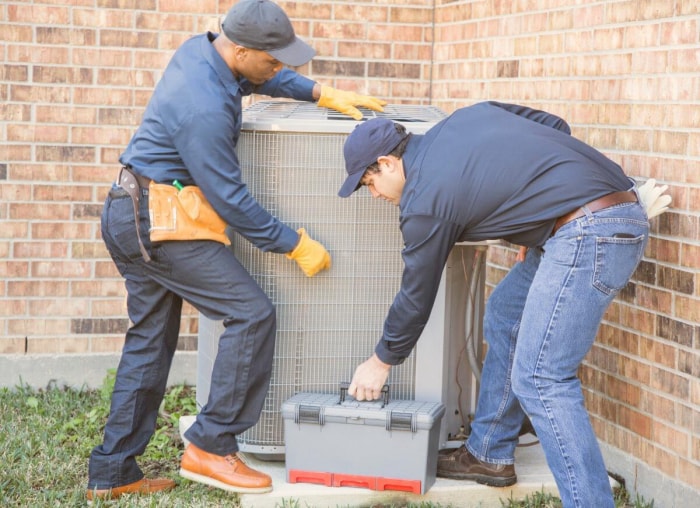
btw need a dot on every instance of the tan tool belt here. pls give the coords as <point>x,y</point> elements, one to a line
<point>183,215</point>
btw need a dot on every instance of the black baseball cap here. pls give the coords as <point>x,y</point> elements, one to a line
<point>263,25</point>
<point>365,144</point>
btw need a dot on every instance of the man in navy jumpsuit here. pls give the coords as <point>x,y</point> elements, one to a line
<point>502,171</point>
<point>188,134</point>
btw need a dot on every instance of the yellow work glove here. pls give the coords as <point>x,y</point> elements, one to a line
<point>345,102</point>
<point>310,255</point>
<point>654,200</point>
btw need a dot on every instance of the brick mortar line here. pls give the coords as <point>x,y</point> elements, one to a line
<point>633,127</point>
<point>585,78</point>
<point>644,388</point>
<point>605,24</point>
<point>677,239</point>
<point>675,345</point>
<point>632,102</point>
<point>592,102</point>
<point>671,424</point>
<point>686,458</point>
<point>545,57</point>
<point>663,155</point>
<point>604,56</point>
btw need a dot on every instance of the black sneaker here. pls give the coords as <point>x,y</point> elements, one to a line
<point>462,465</point>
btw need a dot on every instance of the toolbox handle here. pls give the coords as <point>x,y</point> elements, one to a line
<point>344,385</point>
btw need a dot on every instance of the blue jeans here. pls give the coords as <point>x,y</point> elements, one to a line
<point>207,275</point>
<point>539,323</point>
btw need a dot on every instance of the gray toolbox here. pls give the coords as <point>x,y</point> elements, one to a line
<point>337,441</point>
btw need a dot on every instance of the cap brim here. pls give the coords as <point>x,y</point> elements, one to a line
<point>295,55</point>
<point>351,184</point>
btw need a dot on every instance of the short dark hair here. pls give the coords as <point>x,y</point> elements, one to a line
<point>398,149</point>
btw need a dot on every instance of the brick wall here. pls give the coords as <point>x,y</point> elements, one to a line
<point>77,74</point>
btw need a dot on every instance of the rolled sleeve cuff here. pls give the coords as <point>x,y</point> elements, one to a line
<point>387,356</point>
<point>307,90</point>
<point>289,240</point>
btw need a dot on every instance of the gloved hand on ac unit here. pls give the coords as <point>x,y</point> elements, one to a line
<point>345,102</point>
<point>310,255</point>
<point>653,198</point>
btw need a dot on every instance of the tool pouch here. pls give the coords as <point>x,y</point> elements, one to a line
<point>183,215</point>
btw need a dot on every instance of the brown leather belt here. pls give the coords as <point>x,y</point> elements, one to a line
<point>142,181</point>
<point>606,201</point>
<point>132,183</point>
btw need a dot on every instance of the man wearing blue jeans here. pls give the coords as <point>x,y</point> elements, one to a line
<point>502,171</point>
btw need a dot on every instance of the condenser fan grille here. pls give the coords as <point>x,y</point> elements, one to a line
<point>291,156</point>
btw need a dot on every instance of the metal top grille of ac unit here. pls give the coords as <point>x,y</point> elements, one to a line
<point>291,157</point>
<point>308,117</point>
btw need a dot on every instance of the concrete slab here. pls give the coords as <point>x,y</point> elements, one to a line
<point>78,371</point>
<point>531,468</point>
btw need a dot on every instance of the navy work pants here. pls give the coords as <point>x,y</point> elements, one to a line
<point>207,275</point>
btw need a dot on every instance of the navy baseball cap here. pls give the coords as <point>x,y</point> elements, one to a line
<point>365,144</point>
<point>263,25</point>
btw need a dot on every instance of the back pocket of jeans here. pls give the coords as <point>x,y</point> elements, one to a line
<point>615,260</point>
<point>121,226</point>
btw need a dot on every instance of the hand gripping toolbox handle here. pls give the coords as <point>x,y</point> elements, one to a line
<point>306,413</point>
<point>344,385</point>
<point>394,420</point>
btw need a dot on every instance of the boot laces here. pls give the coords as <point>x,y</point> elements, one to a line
<point>234,458</point>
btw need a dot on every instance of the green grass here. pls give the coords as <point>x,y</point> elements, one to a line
<point>46,437</point>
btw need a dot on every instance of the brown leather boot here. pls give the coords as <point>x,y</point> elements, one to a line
<point>462,465</point>
<point>143,486</point>
<point>224,472</point>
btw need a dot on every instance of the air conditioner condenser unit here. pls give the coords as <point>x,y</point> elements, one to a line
<point>291,156</point>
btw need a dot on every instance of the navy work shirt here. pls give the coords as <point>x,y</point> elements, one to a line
<point>488,171</point>
<point>190,130</point>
